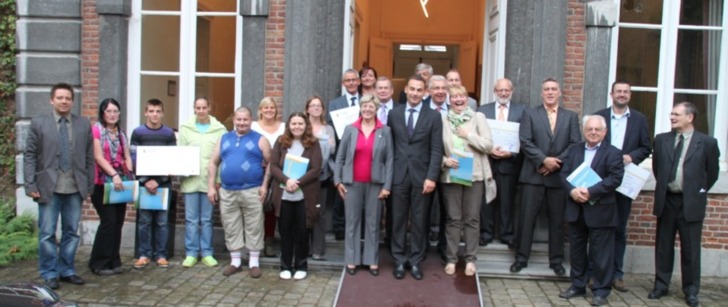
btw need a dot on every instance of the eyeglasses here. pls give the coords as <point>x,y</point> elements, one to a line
<point>593,129</point>
<point>112,112</point>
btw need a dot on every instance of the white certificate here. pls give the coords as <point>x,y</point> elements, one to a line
<point>505,135</point>
<point>343,117</point>
<point>168,160</point>
<point>634,179</point>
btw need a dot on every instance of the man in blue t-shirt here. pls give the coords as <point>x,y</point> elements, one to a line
<point>242,155</point>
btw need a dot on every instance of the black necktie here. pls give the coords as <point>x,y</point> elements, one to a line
<point>65,162</point>
<point>353,101</point>
<point>411,122</point>
<point>676,159</point>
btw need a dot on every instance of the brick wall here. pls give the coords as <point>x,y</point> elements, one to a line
<point>275,41</point>
<point>573,82</point>
<point>90,77</point>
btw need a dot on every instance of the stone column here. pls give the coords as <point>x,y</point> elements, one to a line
<point>255,14</point>
<point>113,48</point>
<point>601,17</point>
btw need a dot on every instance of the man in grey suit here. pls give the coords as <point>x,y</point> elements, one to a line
<point>635,147</point>
<point>506,166</point>
<point>685,164</point>
<point>417,138</point>
<point>546,133</point>
<point>350,80</point>
<point>59,175</point>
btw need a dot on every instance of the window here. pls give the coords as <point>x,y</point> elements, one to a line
<point>180,50</point>
<point>670,51</point>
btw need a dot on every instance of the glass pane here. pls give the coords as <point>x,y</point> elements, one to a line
<point>160,43</point>
<point>216,44</point>
<point>698,56</point>
<point>645,102</point>
<point>217,5</point>
<point>641,11</point>
<point>164,88</point>
<point>221,94</point>
<point>705,121</point>
<point>638,56</point>
<point>160,5</point>
<point>701,12</point>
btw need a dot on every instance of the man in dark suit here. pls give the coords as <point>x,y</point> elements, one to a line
<point>350,80</point>
<point>417,138</point>
<point>685,164</point>
<point>546,132</point>
<point>59,174</point>
<point>635,147</point>
<point>591,211</point>
<point>506,166</point>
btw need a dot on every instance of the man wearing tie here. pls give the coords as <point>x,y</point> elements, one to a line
<point>506,166</point>
<point>350,80</point>
<point>58,168</point>
<point>384,90</point>
<point>546,133</point>
<point>635,147</point>
<point>437,87</point>
<point>417,138</point>
<point>685,164</point>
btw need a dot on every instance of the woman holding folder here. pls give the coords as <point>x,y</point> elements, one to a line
<point>363,177</point>
<point>113,165</point>
<point>466,143</point>
<point>295,166</point>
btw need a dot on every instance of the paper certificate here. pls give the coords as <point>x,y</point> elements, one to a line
<point>583,177</point>
<point>343,117</point>
<point>634,179</point>
<point>505,135</point>
<point>167,160</point>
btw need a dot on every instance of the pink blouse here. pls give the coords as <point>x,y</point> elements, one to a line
<point>364,153</point>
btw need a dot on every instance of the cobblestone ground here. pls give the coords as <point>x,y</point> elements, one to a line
<point>202,286</point>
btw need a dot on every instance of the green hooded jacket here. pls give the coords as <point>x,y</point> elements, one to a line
<point>190,136</point>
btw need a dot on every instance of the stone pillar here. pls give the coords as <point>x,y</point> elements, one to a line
<point>601,17</point>
<point>49,51</point>
<point>113,48</point>
<point>314,47</point>
<point>255,14</point>
<point>535,46</point>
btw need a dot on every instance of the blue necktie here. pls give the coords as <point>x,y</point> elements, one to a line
<point>353,101</point>
<point>65,162</point>
<point>411,122</point>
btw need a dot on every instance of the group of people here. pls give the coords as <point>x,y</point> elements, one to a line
<point>421,136</point>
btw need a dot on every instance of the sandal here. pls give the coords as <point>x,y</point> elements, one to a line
<point>450,269</point>
<point>470,269</point>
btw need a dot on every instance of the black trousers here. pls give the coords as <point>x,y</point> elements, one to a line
<point>673,221</point>
<point>595,246</point>
<point>500,210</point>
<point>105,251</point>
<point>409,205</point>
<point>534,197</point>
<point>294,236</point>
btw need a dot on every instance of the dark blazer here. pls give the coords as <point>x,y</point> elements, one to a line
<point>700,167</point>
<point>421,154</point>
<point>309,183</point>
<point>538,142</point>
<point>338,103</point>
<point>511,166</point>
<point>382,157</point>
<point>608,165</point>
<point>41,158</point>
<point>636,138</point>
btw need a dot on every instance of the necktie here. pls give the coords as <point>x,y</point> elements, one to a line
<point>676,159</point>
<point>65,162</point>
<point>353,101</point>
<point>502,113</point>
<point>383,114</point>
<point>411,122</point>
<point>552,120</point>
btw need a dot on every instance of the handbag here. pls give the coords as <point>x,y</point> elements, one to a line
<point>268,201</point>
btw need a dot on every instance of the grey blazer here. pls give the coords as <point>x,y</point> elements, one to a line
<point>382,159</point>
<point>41,158</point>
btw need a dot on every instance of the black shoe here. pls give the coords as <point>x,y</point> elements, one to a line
<point>73,279</point>
<point>692,300</point>
<point>103,272</point>
<point>374,272</point>
<point>598,301</point>
<point>416,272</point>
<point>52,283</point>
<point>517,266</point>
<point>339,236</point>
<point>399,271</point>
<point>351,271</point>
<point>558,269</point>
<point>434,236</point>
<point>572,292</point>
<point>118,270</point>
<point>484,242</point>
<point>656,294</point>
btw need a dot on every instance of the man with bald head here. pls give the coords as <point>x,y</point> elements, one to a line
<point>506,166</point>
<point>453,79</point>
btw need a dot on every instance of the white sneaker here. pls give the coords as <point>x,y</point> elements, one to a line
<point>286,275</point>
<point>299,275</point>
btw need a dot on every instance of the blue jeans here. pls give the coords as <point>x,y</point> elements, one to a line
<point>198,225</point>
<point>58,260</point>
<point>144,227</point>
